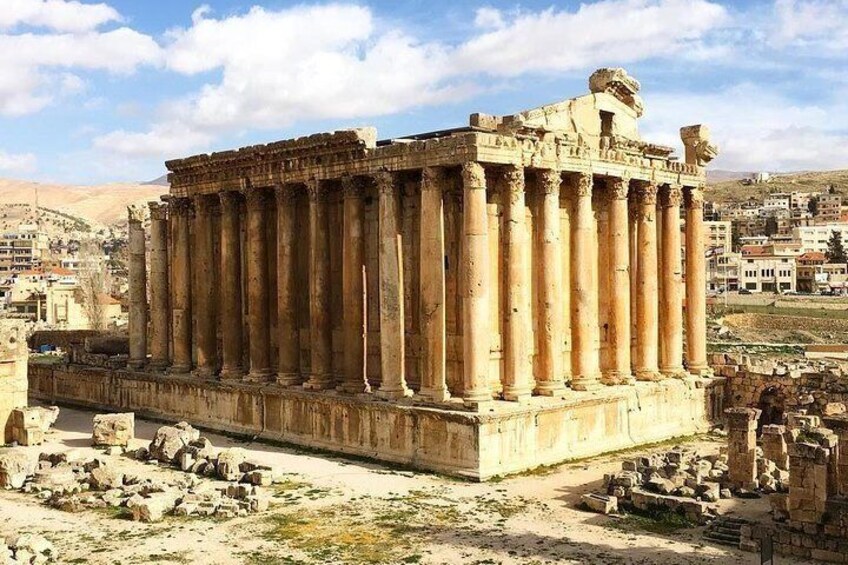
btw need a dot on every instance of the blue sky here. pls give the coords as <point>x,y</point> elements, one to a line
<point>95,92</point>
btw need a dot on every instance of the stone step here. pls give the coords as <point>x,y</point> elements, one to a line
<point>723,539</point>
<point>727,530</point>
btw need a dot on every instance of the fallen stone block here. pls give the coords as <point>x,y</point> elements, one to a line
<point>35,548</point>
<point>154,508</point>
<point>106,478</point>
<point>596,502</point>
<point>113,429</point>
<point>170,441</point>
<point>15,466</point>
<point>229,462</point>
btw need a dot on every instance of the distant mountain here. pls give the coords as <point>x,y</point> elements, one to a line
<point>102,204</point>
<point>160,181</point>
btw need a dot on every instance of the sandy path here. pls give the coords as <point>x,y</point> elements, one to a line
<point>333,510</point>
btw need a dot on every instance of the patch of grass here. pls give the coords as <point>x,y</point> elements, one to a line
<point>660,521</point>
<point>172,557</point>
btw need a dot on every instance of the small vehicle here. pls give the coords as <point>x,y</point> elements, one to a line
<point>744,291</point>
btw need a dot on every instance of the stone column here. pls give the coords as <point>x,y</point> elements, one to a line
<point>619,297</point>
<point>476,338</point>
<point>159,287</point>
<point>742,446</point>
<point>432,273</point>
<point>392,337</point>
<point>137,288</point>
<point>671,296</point>
<point>181,271</point>
<point>839,425</point>
<point>696,284</point>
<point>647,315</point>
<point>288,338</point>
<point>320,329</point>
<point>204,285</point>
<point>231,292</point>
<point>774,445</point>
<point>812,475</point>
<point>353,287</point>
<point>585,354</point>
<point>518,365</point>
<point>551,374</point>
<point>258,315</point>
<point>633,209</point>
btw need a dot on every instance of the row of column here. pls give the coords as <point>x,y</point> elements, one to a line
<point>632,273</point>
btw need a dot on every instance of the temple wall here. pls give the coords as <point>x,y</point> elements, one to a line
<point>13,373</point>
<point>510,439</point>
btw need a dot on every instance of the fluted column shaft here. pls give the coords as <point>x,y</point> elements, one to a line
<point>476,340</point>
<point>696,274</point>
<point>231,295</point>
<point>159,287</point>
<point>432,269</point>
<point>585,355</point>
<point>320,329</point>
<point>551,374</point>
<point>633,220</point>
<point>517,362</point>
<point>619,297</point>
<point>258,314</point>
<point>647,315</point>
<point>288,331</point>
<point>671,297</point>
<point>392,346</point>
<point>181,304</point>
<point>204,288</point>
<point>353,287</point>
<point>137,289</point>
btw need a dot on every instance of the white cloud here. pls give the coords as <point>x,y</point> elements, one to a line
<point>167,139</point>
<point>821,25</point>
<point>600,33</point>
<point>338,61</point>
<point>16,162</point>
<point>755,127</point>
<point>59,15</point>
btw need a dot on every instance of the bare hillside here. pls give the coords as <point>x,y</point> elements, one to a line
<point>808,181</point>
<point>102,204</point>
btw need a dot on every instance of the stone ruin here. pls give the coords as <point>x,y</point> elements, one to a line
<point>29,549</point>
<point>13,374</point>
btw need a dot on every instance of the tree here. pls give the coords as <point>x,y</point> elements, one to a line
<point>93,282</point>
<point>835,251</point>
<point>813,206</point>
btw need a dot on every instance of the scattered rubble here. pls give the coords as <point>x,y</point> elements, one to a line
<point>30,424</point>
<point>113,429</point>
<point>26,548</point>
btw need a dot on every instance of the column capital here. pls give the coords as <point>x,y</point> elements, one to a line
<point>619,187</point>
<point>583,184</point>
<point>646,193</point>
<point>285,193</point>
<point>158,210</point>
<point>549,181</point>
<point>672,195</point>
<point>694,196</point>
<point>203,204</point>
<point>179,206</point>
<point>431,177</point>
<point>473,175</point>
<point>230,199</point>
<point>352,187</point>
<point>256,198</point>
<point>385,182</point>
<point>135,213</point>
<point>316,189</point>
<point>514,179</point>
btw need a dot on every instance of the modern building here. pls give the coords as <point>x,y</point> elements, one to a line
<point>760,270</point>
<point>815,238</point>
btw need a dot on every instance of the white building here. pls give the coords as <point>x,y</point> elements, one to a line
<point>815,238</point>
<point>777,201</point>
<point>767,273</point>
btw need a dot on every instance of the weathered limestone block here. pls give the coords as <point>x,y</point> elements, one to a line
<point>30,548</point>
<point>55,479</point>
<point>229,462</point>
<point>170,441</point>
<point>154,508</point>
<point>774,445</point>
<point>106,478</point>
<point>601,503</point>
<point>113,429</point>
<point>742,446</point>
<point>15,466</point>
<point>108,344</point>
<point>13,374</point>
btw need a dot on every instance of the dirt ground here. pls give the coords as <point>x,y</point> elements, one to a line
<point>771,328</point>
<point>334,510</point>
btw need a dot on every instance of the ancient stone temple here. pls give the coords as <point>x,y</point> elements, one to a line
<point>476,300</point>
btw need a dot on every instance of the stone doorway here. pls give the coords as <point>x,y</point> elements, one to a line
<point>772,403</point>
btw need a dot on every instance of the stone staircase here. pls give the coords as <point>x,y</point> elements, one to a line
<point>725,530</point>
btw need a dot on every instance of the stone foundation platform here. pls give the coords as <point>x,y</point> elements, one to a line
<point>507,438</point>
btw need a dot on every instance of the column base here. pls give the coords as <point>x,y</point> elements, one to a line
<point>650,375</point>
<point>319,382</point>
<point>289,379</point>
<point>520,395</point>
<point>393,394</point>
<point>179,369</point>
<point>158,365</point>
<point>701,371</point>
<point>232,373</point>
<point>136,364</point>
<point>674,372</point>
<point>587,383</point>
<point>203,373</point>
<point>434,395</point>
<point>551,388</point>
<point>613,378</point>
<point>354,388</point>
<point>477,400</point>
<point>258,376</point>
